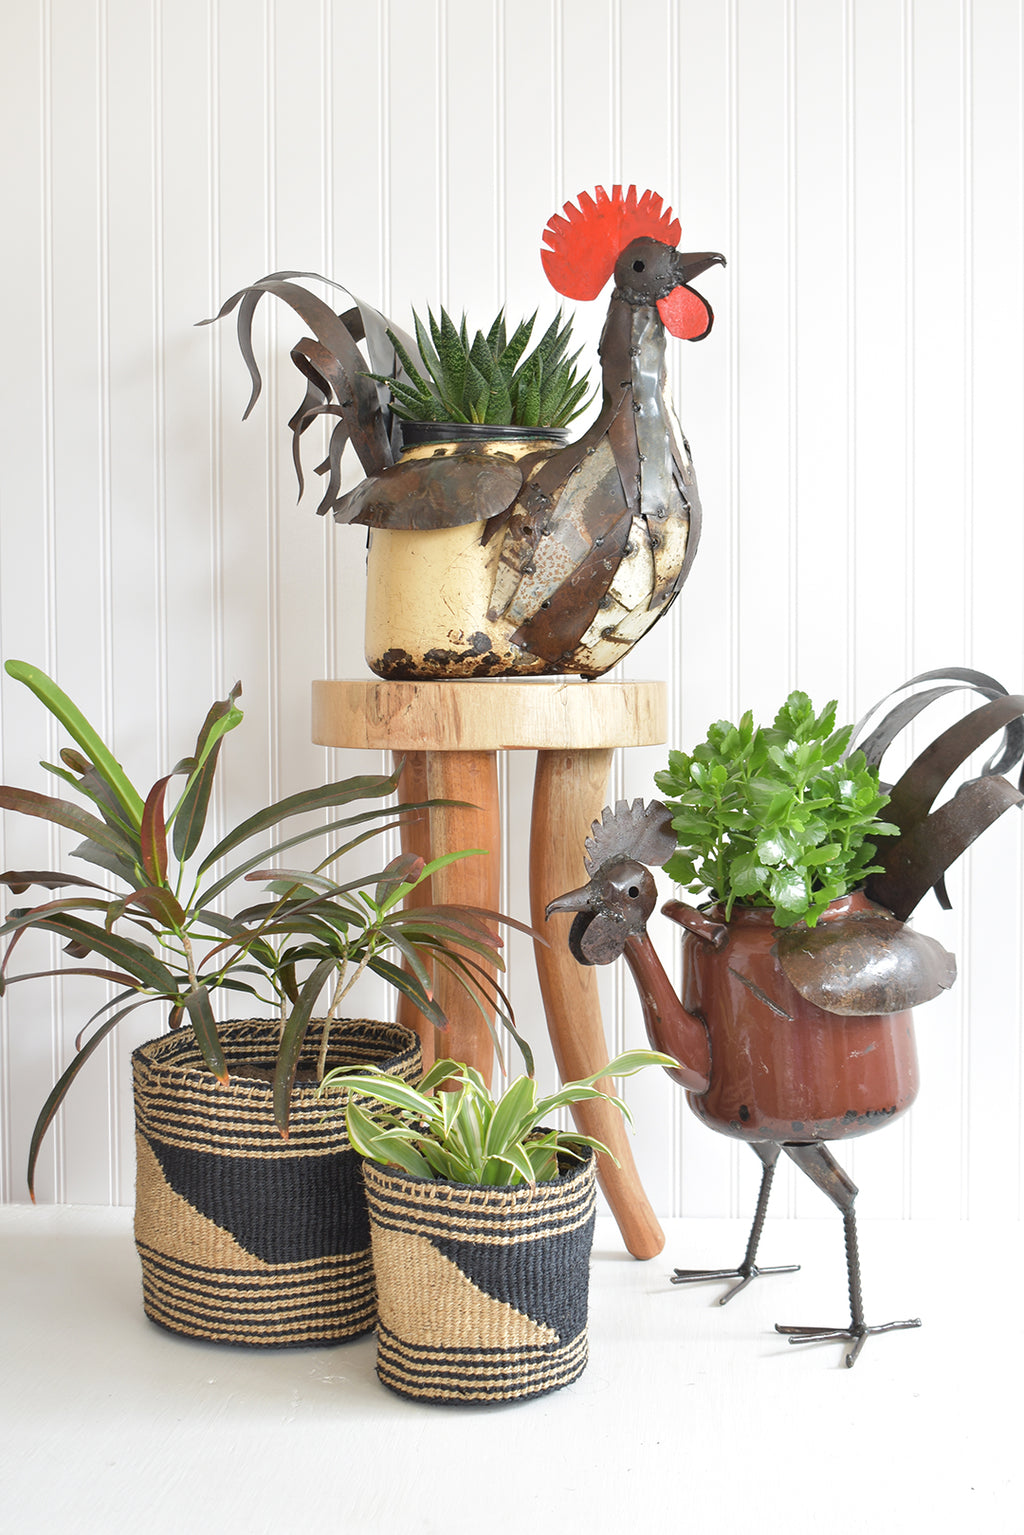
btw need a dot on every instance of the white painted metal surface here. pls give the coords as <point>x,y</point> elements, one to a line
<point>855,419</point>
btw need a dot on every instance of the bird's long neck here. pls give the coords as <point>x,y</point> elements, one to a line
<point>669,1026</point>
<point>633,374</point>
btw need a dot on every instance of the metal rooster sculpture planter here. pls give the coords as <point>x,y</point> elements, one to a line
<point>563,556</point>
<point>789,1038</point>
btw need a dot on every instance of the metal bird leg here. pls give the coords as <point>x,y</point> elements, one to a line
<point>822,1168</point>
<point>769,1153</point>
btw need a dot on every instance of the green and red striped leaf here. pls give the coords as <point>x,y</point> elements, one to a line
<point>292,1036</point>
<point>204,1027</point>
<point>153,834</point>
<point>306,801</point>
<point>78,727</point>
<point>56,1096</point>
<point>63,813</point>
<point>189,816</point>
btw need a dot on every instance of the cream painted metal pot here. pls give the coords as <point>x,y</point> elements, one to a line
<point>429,590</point>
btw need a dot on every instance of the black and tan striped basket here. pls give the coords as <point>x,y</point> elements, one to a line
<point>245,1237</point>
<point>482,1292</point>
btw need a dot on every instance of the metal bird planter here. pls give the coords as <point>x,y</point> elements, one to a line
<point>563,555</point>
<point>790,1037</point>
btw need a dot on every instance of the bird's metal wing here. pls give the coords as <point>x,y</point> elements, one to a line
<point>426,493</point>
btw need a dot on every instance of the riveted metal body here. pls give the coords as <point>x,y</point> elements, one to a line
<point>784,1069</point>
<point>508,557</point>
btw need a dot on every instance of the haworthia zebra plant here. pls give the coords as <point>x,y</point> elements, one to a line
<point>489,380</point>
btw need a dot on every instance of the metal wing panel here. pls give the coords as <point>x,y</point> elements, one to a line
<point>446,492</point>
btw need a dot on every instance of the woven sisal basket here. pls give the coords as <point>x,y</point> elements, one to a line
<point>482,1292</point>
<point>245,1237</point>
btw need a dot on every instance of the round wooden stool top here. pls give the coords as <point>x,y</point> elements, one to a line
<point>474,714</point>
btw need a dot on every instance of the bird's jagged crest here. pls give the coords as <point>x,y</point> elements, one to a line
<point>642,832</point>
<point>585,241</point>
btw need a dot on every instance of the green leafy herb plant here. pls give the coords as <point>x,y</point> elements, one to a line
<point>782,816</point>
<point>163,934</point>
<point>460,1133</point>
<point>491,380</point>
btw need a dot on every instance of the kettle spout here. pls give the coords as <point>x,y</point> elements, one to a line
<point>670,1027</point>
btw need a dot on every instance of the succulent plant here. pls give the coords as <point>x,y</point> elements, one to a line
<point>782,815</point>
<point>491,380</point>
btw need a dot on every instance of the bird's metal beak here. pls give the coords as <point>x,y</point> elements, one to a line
<point>687,267</point>
<point>573,900</point>
<point>684,312</point>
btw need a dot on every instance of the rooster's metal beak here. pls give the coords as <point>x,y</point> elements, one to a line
<point>573,900</point>
<point>583,903</point>
<point>687,267</point>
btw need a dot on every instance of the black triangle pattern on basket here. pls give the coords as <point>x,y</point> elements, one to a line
<point>279,1209</point>
<point>526,1285</point>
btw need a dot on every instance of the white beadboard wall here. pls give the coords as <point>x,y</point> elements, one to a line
<point>856,419</point>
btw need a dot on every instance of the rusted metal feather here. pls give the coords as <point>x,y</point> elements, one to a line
<point>864,964</point>
<point>638,831</point>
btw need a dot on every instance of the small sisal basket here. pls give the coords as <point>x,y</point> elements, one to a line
<point>482,1292</point>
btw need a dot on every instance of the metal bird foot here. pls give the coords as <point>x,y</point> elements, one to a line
<point>745,1273</point>
<point>859,1332</point>
<point>748,1269</point>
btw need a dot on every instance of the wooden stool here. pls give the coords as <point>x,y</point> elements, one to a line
<point>449,734</point>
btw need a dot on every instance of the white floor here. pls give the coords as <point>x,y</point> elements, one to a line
<point>689,1416</point>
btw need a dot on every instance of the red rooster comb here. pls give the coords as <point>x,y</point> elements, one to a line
<point>586,243</point>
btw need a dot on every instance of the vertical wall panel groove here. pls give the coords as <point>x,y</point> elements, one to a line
<point>57,1149</point>
<point>1019,187</point>
<point>273,532</point>
<point>500,150</point>
<point>966,550</point>
<point>444,107</point>
<point>910,244</point>
<point>852,484</point>
<point>105,534</point>
<point>790,325</point>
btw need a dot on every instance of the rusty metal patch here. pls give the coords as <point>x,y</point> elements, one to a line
<point>555,631</point>
<point>429,493</point>
<point>864,964</point>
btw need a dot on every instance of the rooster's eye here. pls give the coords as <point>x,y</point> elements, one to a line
<point>633,892</point>
<point>638,266</point>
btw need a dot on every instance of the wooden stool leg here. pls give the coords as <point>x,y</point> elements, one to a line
<point>415,836</point>
<point>569,795</point>
<point>470,776</point>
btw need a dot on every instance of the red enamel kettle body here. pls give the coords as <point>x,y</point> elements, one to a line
<point>783,1068</point>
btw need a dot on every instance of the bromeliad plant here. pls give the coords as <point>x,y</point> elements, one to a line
<point>488,381</point>
<point>782,816</point>
<point>461,1133</point>
<point>163,935</point>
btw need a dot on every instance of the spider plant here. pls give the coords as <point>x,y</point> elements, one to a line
<point>452,1128</point>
